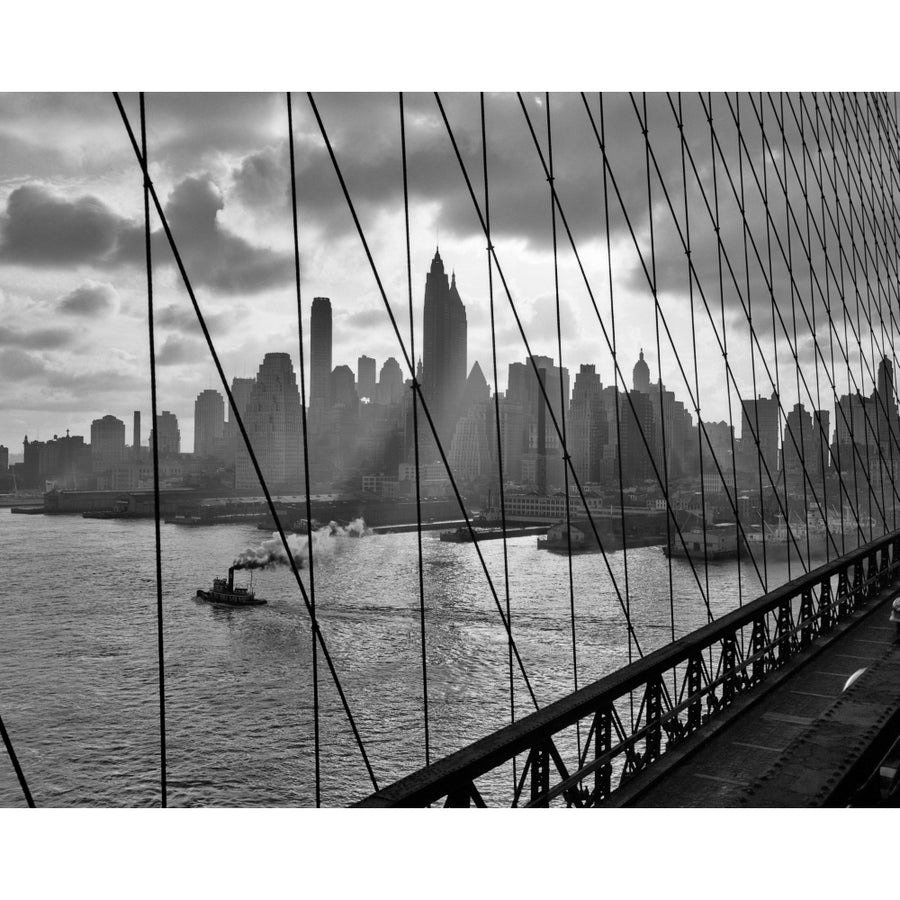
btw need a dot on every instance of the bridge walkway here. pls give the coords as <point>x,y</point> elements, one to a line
<point>800,740</point>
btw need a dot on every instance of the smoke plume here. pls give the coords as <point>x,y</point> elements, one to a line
<point>271,552</point>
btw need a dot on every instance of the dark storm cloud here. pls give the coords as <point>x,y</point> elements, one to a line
<point>90,299</point>
<point>366,318</point>
<point>35,339</point>
<point>40,227</point>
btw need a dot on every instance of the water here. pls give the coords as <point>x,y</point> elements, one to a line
<point>78,656</point>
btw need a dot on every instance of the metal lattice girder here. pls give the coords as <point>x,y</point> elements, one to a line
<point>455,775</point>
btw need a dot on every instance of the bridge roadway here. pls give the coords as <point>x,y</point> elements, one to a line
<point>798,740</point>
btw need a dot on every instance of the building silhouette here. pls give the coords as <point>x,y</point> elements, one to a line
<point>273,422</point>
<point>444,350</point>
<point>107,443</point>
<point>365,378</point>
<point>169,440</point>
<point>390,382</point>
<point>320,355</point>
<point>209,424</point>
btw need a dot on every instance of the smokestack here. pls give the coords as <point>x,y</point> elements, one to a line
<point>137,433</point>
<point>231,578</point>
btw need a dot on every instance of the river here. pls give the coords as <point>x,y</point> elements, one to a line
<point>78,655</point>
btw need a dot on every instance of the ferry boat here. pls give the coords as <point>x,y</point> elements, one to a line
<point>225,592</point>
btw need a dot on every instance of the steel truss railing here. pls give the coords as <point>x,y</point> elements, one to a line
<point>681,687</point>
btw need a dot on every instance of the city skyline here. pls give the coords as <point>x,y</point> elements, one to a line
<point>71,263</point>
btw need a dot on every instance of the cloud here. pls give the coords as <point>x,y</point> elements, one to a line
<point>90,299</point>
<point>36,339</point>
<point>177,350</point>
<point>41,227</point>
<point>16,364</point>
<point>214,255</point>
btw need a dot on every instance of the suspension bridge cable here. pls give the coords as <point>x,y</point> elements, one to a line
<point>690,279</point>
<point>154,443</point>
<point>542,388</point>
<point>662,400</point>
<point>497,423</point>
<point>816,348</point>
<point>179,262</point>
<point>418,388</point>
<point>634,412</point>
<point>15,762</point>
<point>648,277</point>
<point>892,276</point>
<point>563,401</point>
<point>719,338</point>
<point>866,309</point>
<point>822,445</point>
<point>721,280</point>
<point>612,316</point>
<point>303,423</point>
<point>755,398</point>
<point>770,286</point>
<point>415,406</point>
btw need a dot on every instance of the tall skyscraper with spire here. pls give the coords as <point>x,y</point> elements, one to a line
<point>444,350</point>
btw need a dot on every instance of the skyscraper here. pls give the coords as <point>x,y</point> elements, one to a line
<point>320,354</point>
<point>272,420</point>
<point>169,433</point>
<point>107,443</point>
<point>209,423</point>
<point>444,349</point>
<point>587,424</point>
<point>390,382</point>
<point>365,377</point>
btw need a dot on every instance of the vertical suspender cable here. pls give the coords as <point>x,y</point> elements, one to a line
<point>292,562</point>
<point>654,287</point>
<point>754,395</point>
<point>155,449</point>
<point>725,340</point>
<point>497,422</point>
<point>303,421</point>
<point>415,406</point>
<point>618,413</point>
<point>563,400</point>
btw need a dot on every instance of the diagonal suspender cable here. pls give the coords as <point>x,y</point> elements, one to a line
<point>774,306</point>
<point>465,174</point>
<point>648,276</point>
<point>418,388</point>
<point>250,452</point>
<point>155,450</point>
<point>662,404</point>
<point>497,425</point>
<point>563,400</point>
<point>15,762</point>
<point>415,406</point>
<point>644,438</point>
<point>303,422</point>
<point>784,255</point>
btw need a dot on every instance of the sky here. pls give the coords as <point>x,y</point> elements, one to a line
<point>73,289</point>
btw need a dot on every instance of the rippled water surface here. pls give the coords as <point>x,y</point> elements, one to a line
<point>78,656</point>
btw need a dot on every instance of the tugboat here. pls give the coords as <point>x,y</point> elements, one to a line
<point>225,593</point>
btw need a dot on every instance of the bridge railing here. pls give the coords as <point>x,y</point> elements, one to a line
<point>639,713</point>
